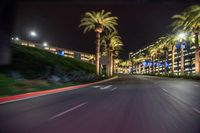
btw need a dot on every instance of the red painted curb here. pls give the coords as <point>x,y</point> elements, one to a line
<point>46,92</point>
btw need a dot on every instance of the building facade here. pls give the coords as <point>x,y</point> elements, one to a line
<point>164,66</point>
<point>90,58</point>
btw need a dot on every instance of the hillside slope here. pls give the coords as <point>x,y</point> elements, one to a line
<point>33,69</point>
<point>34,63</point>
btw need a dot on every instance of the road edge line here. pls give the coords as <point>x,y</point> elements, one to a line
<point>20,97</point>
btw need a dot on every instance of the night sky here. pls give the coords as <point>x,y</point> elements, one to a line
<point>141,22</point>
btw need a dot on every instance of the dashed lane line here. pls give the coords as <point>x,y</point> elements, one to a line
<point>106,87</point>
<point>67,111</point>
<point>196,110</point>
<point>164,89</point>
<point>96,86</point>
<point>113,89</point>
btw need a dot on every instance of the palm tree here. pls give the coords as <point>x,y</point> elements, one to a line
<point>153,52</point>
<point>91,59</point>
<point>189,20</point>
<point>138,60</point>
<point>123,65</point>
<point>145,53</point>
<point>113,43</point>
<point>167,42</point>
<point>114,47</point>
<point>116,65</point>
<point>115,59</point>
<point>98,21</point>
<point>193,25</point>
<point>170,43</point>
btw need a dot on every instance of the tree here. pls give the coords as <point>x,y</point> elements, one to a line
<point>170,42</point>
<point>189,20</point>
<point>137,60</point>
<point>116,65</point>
<point>98,21</point>
<point>192,24</point>
<point>113,44</point>
<point>153,52</point>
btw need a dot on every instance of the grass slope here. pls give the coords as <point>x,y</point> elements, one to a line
<point>33,63</point>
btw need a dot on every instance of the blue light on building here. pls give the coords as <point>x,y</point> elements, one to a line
<point>150,64</point>
<point>157,64</point>
<point>178,46</point>
<point>61,53</point>
<point>184,45</point>
<point>145,63</point>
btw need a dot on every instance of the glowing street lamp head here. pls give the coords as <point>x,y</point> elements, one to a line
<point>17,38</point>
<point>45,44</point>
<point>33,33</point>
<point>182,36</point>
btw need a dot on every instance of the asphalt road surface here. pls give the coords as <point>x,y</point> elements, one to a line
<point>129,104</point>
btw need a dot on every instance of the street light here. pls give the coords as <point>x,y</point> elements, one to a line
<point>33,33</point>
<point>182,36</point>
<point>17,38</point>
<point>45,44</point>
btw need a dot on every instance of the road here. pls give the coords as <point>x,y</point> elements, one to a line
<point>129,104</point>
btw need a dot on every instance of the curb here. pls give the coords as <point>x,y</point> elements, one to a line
<point>20,97</point>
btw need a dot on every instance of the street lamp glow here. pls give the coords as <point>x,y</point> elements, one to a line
<point>17,38</point>
<point>33,33</point>
<point>182,36</point>
<point>45,44</point>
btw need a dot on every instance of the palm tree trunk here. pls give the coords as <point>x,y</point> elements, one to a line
<point>197,69</point>
<point>139,66</point>
<point>166,58</point>
<point>162,67</point>
<point>182,61</point>
<point>132,66</point>
<point>111,63</point>
<point>172,66</point>
<point>153,65</point>
<point>98,53</point>
<point>136,68</point>
<point>178,65</point>
<point>158,67</point>
<point>143,69</point>
<point>158,64</point>
<point>149,69</point>
<point>108,63</point>
<point>190,63</point>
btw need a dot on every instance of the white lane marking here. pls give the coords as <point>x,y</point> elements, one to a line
<point>164,89</point>
<point>113,89</point>
<point>96,86</point>
<point>196,110</point>
<point>67,111</point>
<point>196,85</point>
<point>106,87</point>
